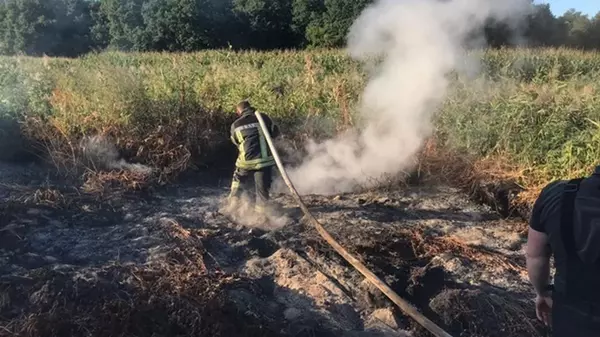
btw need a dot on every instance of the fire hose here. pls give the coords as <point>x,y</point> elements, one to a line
<point>404,305</point>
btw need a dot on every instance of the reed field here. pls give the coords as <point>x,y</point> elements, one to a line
<point>535,111</point>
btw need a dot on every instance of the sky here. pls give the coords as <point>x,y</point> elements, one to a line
<point>559,7</point>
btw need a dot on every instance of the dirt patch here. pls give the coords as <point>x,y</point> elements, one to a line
<point>295,276</point>
<point>407,272</point>
<point>127,301</point>
<point>172,295</point>
<point>484,313</point>
<point>408,260</point>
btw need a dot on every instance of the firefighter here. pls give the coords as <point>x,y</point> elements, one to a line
<point>565,222</point>
<point>255,161</point>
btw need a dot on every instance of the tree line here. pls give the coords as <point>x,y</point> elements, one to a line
<point>71,28</point>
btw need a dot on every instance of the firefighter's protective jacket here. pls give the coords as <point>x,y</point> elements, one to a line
<point>247,135</point>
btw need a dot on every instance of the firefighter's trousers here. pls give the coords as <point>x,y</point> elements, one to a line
<point>243,181</point>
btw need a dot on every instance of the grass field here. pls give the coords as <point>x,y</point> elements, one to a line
<point>536,111</point>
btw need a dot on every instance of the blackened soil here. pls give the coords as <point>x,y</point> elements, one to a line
<point>169,264</point>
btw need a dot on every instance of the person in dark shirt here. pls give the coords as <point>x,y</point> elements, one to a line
<point>565,223</point>
<point>255,160</point>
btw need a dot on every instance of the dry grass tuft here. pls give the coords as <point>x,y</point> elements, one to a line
<point>48,197</point>
<point>427,245</point>
<point>103,183</point>
<point>465,171</point>
<point>493,180</point>
<point>167,300</point>
<point>486,314</point>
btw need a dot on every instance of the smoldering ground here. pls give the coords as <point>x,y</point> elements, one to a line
<point>100,153</point>
<point>168,263</point>
<point>244,213</point>
<point>411,46</point>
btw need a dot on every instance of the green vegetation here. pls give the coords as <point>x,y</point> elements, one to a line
<point>163,107</point>
<point>540,109</point>
<point>542,112</point>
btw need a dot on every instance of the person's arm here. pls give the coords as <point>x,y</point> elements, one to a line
<point>538,251</point>
<point>538,261</point>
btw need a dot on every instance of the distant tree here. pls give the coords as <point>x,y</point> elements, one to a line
<point>498,34</point>
<point>99,31</point>
<point>74,27</point>
<point>304,13</point>
<point>593,36</point>
<point>331,28</point>
<point>268,22</point>
<point>577,25</point>
<point>545,29</point>
<point>179,25</point>
<point>125,24</point>
<point>51,27</point>
<point>227,25</point>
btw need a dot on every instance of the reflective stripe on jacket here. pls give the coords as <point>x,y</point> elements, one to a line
<point>247,135</point>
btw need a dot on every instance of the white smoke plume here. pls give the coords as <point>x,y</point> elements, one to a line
<point>414,45</point>
<point>102,154</point>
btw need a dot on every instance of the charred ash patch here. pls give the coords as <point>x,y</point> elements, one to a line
<point>166,263</point>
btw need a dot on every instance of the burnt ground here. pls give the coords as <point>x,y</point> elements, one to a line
<point>167,263</point>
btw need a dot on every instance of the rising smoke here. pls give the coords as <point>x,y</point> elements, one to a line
<point>413,46</point>
<point>102,154</point>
